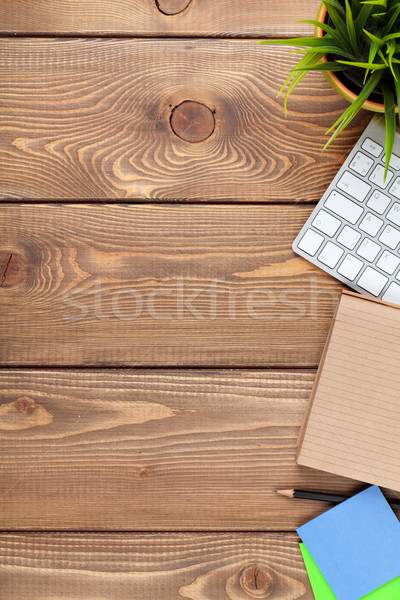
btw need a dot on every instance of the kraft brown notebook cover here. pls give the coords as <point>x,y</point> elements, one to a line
<point>353,423</point>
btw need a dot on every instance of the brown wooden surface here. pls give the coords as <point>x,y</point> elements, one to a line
<point>152,567</point>
<point>189,456</point>
<point>143,17</point>
<point>90,119</point>
<point>154,450</point>
<point>160,285</point>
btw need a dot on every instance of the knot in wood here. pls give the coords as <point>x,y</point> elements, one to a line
<point>25,405</point>
<point>172,7</point>
<point>192,121</point>
<point>256,582</point>
<point>23,413</point>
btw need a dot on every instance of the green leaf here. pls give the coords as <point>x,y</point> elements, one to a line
<point>390,50</point>
<point>350,28</point>
<point>361,65</point>
<point>382,56</point>
<point>393,18</point>
<point>356,6</point>
<point>326,50</point>
<point>337,17</point>
<point>391,36</point>
<point>294,78</point>
<point>329,30</point>
<point>310,42</point>
<point>336,5</point>
<point>362,19</point>
<point>390,123</point>
<point>353,109</point>
<point>375,2</point>
<point>323,66</point>
<point>372,53</point>
<point>375,39</point>
<point>397,87</point>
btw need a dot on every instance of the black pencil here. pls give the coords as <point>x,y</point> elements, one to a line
<point>322,497</point>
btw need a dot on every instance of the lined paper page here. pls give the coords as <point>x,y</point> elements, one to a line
<point>353,426</point>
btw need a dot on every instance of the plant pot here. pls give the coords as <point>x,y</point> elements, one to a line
<point>338,81</point>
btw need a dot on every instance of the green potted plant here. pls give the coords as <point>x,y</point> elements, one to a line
<point>357,46</point>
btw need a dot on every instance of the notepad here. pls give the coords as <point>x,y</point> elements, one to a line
<point>355,544</point>
<point>322,591</point>
<point>353,424</point>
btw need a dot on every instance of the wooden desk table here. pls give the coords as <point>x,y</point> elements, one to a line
<point>159,338</point>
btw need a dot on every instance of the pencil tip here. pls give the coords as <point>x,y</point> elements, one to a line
<point>288,493</point>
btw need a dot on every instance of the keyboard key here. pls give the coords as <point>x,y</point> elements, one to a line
<point>361,163</point>
<point>372,281</point>
<point>392,294</point>
<point>326,223</point>
<point>371,224</point>
<point>394,214</point>
<point>350,267</point>
<point>330,255</point>
<point>349,237</point>
<point>377,176</point>
<point>388,262</point>
<point>394,161</point>
<point>343,207</point>
<point>395,189</point>
<point>310,242</point>
<point>378,202</point>
<point>368,250</point>
<point>390,236</point>
<point>353,186</point>
<point>372,147</point>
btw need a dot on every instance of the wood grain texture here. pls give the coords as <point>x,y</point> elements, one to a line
<point>152,567</point>
<point>148,285</point>
<point>155,450</point>
<point>89,119</point>
<point>143,17</point>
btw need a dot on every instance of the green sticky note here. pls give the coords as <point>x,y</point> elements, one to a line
<point>322,591</point>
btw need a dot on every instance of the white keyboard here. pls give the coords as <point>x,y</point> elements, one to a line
<point>354,231</point>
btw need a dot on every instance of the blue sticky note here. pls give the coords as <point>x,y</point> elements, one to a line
<point>356,544</point>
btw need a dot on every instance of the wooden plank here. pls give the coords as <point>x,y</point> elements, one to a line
<point>146,567</point>
<point>89,119</point>
<point>154,450</point>
<point>150,17</point>
<point>166,285</point>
